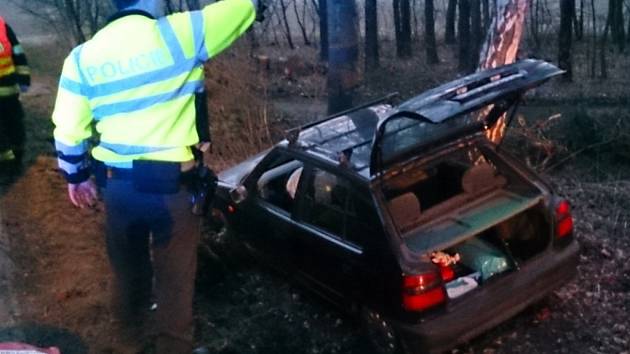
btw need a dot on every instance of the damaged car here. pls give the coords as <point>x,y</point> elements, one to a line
<point>411,217</point>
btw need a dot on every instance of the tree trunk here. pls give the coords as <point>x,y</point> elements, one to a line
<point>621,31</point>
<point>534,28</point>
<point>579,28</point>
<point>565,62</point>
<point>501,46</point>
<point>594,47</point>
<point>451,13</point>
<point>615,19</point>
<point>463,29</point>
<point>323,30</point>
<point>287,27</point>
<point>602,52</point>
<point>343,54</point>
<point>487,20</point>
<point>301,21</point>
<point>476,33</point>
<point>429,32</point>
<point>402,20</point>
<point>371,35</point>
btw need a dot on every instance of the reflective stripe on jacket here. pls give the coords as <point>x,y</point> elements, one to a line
<point>137,79</point>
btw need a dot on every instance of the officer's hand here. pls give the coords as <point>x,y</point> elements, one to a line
<point>82,195</point>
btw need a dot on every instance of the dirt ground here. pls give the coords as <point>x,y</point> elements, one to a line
<point>55,280</point>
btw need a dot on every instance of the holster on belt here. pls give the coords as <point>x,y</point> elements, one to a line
<point>204,189</point>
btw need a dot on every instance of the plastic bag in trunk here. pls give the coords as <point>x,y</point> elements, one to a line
<point>482,257</point>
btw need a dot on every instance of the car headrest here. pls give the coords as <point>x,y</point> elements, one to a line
<point>481,177</point>
<point>405,209</point>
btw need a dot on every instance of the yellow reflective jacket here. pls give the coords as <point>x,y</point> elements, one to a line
<point>137,79</point>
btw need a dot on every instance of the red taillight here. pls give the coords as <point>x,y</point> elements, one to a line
<point>422,291</point>
<point>564,220</point>
<point>231,209</point>
<point>447,273</point>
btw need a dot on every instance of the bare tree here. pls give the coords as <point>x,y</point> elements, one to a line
<point>76,20</point>
<point>285,20</point>
<point>567,11</point>
<point>615,17</point>
<point>463,29</point>
<point>322,10</point>
<point>429,32</point>
<point>451,13</point>
<point>300,18</point>
<point>371,35</point>
<point>502,44</point>
<point>487,19</point>
<point>343,54</point>
<point>476,32</point>
<point>402,24</point>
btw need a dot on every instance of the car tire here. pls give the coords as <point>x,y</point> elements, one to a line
<point>380,334</point>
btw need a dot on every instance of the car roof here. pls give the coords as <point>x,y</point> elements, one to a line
<point>346,136</point>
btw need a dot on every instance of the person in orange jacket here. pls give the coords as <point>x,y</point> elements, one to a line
<point>14,77</point>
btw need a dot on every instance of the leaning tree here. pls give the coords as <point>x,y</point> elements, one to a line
<point>502,44</point>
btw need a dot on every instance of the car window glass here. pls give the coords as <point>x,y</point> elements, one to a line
<point>333,205</point>
<point>279,182</point>
<point>325,199</point>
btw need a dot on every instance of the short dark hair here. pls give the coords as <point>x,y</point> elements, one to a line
<point>122,4</point>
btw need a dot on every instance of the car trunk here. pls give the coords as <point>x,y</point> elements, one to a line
<point>470,214</point>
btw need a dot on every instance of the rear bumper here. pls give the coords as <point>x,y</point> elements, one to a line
<point>493,303</point>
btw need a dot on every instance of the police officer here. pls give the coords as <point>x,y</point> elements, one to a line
<point>14,76</point>
<point>139,83</point>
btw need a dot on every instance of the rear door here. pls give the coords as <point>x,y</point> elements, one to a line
<point>466,106</point>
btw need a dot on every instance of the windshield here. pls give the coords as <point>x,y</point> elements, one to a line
<point>403,134</point>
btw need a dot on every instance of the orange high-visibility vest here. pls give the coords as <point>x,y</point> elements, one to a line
<point>6,51</point>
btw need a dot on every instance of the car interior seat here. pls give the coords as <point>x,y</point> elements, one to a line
<point>480,178</point>
<point>405,209</point>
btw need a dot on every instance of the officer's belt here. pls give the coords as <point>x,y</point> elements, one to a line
<point>127,173</point>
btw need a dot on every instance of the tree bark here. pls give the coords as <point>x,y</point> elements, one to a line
<point>565,62</point>
<point>615,20</point>
<point>579,27</point>
<point>476,33</point>
<point>463,29</point>
<point>287,27</point>
<point>451,13</point>
<point>301,21</point>
<point>323,29</point>
<point>343,54</point>
<point>501,46</point>
<point>371,35</point>
<point>402,21</point>
<point>487,20</point>
<point>594,47</point>
<point>429,32</point>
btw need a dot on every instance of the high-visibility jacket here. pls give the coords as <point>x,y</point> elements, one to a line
<point>13,66</point>
<point>137,79</point>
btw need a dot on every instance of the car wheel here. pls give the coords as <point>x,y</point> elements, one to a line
<point>380,334</point>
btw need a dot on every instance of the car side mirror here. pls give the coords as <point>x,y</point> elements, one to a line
<point>238,194</point>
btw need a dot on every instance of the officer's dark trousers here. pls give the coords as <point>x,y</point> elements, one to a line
<point>12,134</point>
<point>153,236</point>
